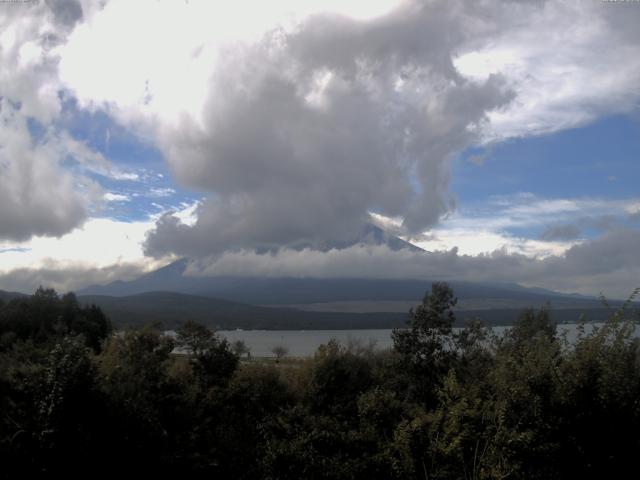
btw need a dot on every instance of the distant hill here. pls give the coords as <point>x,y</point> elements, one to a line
<point>170,309</point>
<point>7,296</point>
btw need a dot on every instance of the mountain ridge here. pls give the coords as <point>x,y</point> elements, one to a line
<point>293,290</point>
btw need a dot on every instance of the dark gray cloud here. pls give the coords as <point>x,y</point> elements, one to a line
<point>616,250</point>
<point>561,232</point>
<point>65,12</point>
<point>624,16</point>
<point>572,231</point>
<point>306,132</point>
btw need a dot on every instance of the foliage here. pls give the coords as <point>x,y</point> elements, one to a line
<point>45,317</point>
<point>442,404</point>
<point>426,347</point>
<point>210,356</point>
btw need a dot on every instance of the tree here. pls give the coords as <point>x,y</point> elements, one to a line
<point>140,394</point>
<point>66,404</point>
<point>240,348</point>
<point>426,348</point>
<point>210,356</point>
<point>44,318</point>
<point>194,337</point>
<point>531,325</point>
<point>279,351</point>
<point>337,377</point>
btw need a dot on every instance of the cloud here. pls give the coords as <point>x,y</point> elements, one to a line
<point>84,245</point>
<point>65,12</point>
<point>573,231</point>
<point>64,277</point>
<point>36,196</point>
<point>39,193</point>
<point>160,192</point>
<point>609,264</point>
<point>568,63</point>
<point>482,241</point>
<point>80,157</point>
<point>27,45</point>
<point>526,211</point>
<point>561,232</point>
<point>298,125</point>
<point>521,224</point>
<point>305,132</point>
<point>115,197</point>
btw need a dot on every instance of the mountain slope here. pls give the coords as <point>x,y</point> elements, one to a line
<point>288,290</point>
<point>373,235</point>
<point>171,278</point>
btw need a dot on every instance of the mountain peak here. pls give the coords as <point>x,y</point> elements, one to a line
<point>372,235</point>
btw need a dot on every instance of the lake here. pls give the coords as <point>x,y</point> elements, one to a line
<point>304,343</point>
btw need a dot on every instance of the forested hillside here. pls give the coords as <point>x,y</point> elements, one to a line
<point>76,399</point>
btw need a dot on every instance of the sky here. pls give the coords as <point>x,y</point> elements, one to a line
<point>503,137</point>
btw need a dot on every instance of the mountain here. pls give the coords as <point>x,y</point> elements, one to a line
<point>300,291</point>
<point>316,301</point>
<point>371,234</point>
<point>290,290</point>
<point>262,290</point>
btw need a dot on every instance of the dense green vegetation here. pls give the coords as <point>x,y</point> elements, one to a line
<point>442,404</point>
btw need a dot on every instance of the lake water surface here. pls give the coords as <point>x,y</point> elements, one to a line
<point>304,343</point>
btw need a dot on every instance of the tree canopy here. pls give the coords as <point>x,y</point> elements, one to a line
<point>443,403</point>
